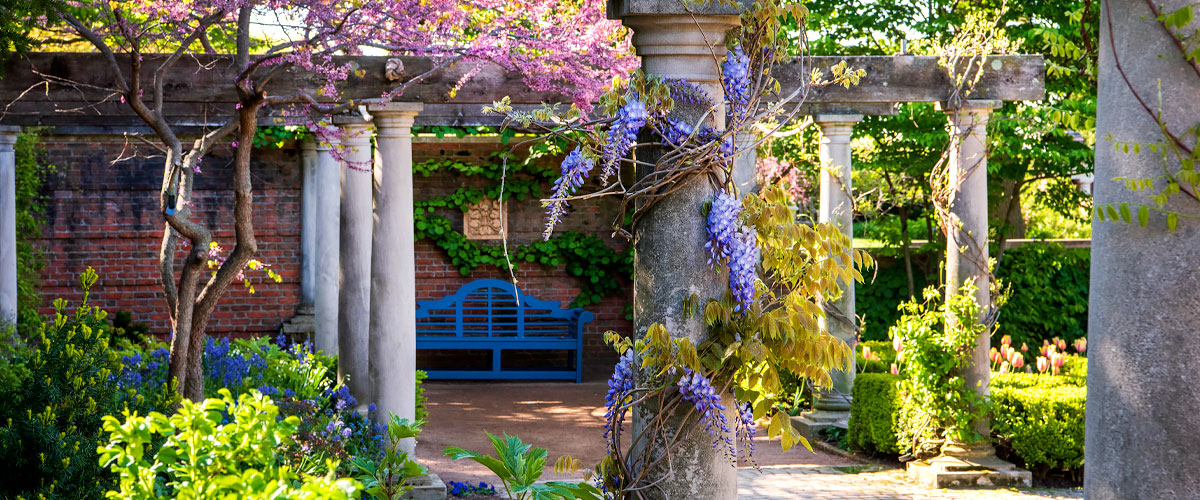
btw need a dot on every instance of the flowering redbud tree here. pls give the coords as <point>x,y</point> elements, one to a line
<point>566,47</point>
<point>778,266</point>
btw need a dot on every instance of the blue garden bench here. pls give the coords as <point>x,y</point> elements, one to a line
<point>491,314</point>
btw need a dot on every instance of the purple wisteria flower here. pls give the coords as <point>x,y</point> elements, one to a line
<point>745,429</point>
<point>676,132</point>
<point>698,390</point>
<point>735,77</point>
<point>575,169</point>
<point>619,387</point>
<point>722,226</point>
<point>622,134</point>
<point>743,268</point>
<point>687,93</point>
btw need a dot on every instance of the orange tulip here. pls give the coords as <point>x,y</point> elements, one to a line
<point>1024,347</point>
<point>1043,364</point>
<point>897,344</point>
<point>1004,367</point>
<point>1006,340</point>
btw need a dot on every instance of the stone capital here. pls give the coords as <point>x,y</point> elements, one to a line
<point>8,136</point>
<point>836,128</point>
<point>680,45</point>
<point>971,114</point>
<point>356,131</point>
<point>395,119</point>
<point>314,144</point>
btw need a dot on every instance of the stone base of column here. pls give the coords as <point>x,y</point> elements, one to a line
<point>427,487</point>
<point>831,409</point>
<point>963,466</point>
<point>304,323</point>
<point>810,424</point>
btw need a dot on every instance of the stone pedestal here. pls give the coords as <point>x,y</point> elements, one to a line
<point>962,467</point>
<point>832,407</point>
<point>393,266</point>
<point>670,263</point>
<point>1143,355</point>
<point>8,225</point>
<point>354,304</point>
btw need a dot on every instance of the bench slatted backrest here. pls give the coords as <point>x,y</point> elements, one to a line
<point>492,308</point>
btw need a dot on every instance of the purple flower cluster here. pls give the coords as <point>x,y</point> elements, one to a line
<point>620,386</point>
<point>687,93</point>
<point>228,368</point>
<point>722,226</point>
<point>743,268</point>
<point>745,429</point>
<point>622,134</point>
<point>698,390</point>
<point>138,371</point>
<point>341,399</point>
<point>575,169</point>
<point>735,77</point>
<point>676,132</point>
<point>734,244</point>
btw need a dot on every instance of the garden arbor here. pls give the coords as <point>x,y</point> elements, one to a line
<point>359,206</point>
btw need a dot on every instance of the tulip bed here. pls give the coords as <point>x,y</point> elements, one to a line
<point>1037,419</point>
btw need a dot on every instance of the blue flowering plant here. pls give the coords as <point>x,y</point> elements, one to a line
<point>466,489</point>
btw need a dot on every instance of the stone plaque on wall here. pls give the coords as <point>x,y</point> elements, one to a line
<point>485,220</point>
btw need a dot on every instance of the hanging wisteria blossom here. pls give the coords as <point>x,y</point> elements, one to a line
<point>575,169</point>
<point>722,226</point>
<point>743,269</point>
<point>619,388</point>
<point>698,390</point>
<point>622,134</point>
<point>735,78</point>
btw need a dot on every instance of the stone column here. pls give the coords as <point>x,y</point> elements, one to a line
<point>832,407</point>
<point>8,225</point>
<point>308,228</point>
<point>327,189</point>
<point>745,167</point>
<point>669,260</point>
<point>393,266</point>
<point>1143,354</point>
<point>967,248</point>
<point>974,464</point>
<point>354,302</point>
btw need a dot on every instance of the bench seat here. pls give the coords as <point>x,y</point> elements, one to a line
<point>491,314</point>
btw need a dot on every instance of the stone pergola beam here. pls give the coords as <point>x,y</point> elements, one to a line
<point>207,94</point>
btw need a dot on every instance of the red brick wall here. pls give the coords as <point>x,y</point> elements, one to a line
<point>104,214</point>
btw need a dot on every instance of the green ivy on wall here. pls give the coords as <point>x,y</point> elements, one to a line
<point>597,266</point>
<point>588,258</point>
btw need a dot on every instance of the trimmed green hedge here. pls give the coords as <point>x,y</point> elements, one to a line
<point>1039,417</point>
<point>875,413</point>
<point>1042,425</point>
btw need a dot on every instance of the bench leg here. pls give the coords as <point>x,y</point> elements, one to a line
<point>579,365</point>
<point>496,360</point>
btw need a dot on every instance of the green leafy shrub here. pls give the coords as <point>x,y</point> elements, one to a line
<point>218,448</point>
<point>875,413</point>
<point>519,466</point>
<point>54,397</point>
<point>1043,425</point>
<point>1048,293</point>
<point>937,341</point>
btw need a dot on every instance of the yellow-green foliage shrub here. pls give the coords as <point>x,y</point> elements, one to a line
<point>218,448</point>
<point>53,396</point>
<point>875,413</point>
